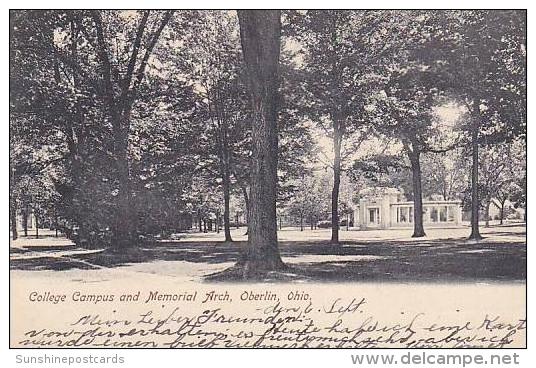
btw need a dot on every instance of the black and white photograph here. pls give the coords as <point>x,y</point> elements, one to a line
<point>267,179</point>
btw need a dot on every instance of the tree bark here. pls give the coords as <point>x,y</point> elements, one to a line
<point>124,224</point>
<point>25,220</point>
<point>337,140</point>
<point>226,201</point>
<point>488,203</point>
<point>199,221</point>
<point>475,202</point>
<point>418,227</point>
<point>217,117</point>
<point>226,179</point>
<point>246,201</point>
<point>36,225</point>
<point>13,220</point>
<point>502,211</point>
<point>260,34</point>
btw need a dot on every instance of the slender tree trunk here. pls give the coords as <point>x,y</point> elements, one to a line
<point>337,140</point>
<point>301,221</point>
<point>36,225</point>
<point>226,209</point>
<point>488,204</point>
<point>13,203</point>
<point>74,141</point>
<point>502,211</point>
<point>76,178</point>
<point>13,220</point>
<point>25,220</point>
<point>475,202</point>
<point>260,33</point>
<point>418,227</point>
<point>246,201</point>
<point>226,183</point>
<point>199,221</point>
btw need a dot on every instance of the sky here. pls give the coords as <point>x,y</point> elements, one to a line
<point>448,115</point>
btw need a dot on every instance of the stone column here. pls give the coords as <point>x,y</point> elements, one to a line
<point>363,214</point>
<point>385,213</point>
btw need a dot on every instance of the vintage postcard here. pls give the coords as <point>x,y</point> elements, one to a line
<point>268,178</point>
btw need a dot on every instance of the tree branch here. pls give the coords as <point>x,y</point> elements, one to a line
<point>141,70</point>
<point>135,51</point>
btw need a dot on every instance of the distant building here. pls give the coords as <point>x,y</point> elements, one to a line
<point>384,208</point>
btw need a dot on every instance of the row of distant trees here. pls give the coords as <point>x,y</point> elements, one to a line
<point>445,176</point>
<point>120,119</point>
<point>132,116</point>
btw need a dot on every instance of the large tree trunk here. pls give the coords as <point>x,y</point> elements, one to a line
<point>337,138</point>
<point>124,223</point>
<point>260,33</point>
<point>123,235</point>
<point>418,227</point>
<point>475,202</point>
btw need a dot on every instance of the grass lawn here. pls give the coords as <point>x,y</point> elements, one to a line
<point>369,256</point>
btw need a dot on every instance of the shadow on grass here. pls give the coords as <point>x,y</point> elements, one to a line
<point>445,260</point>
